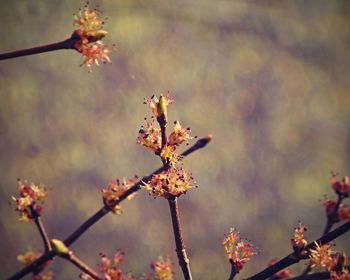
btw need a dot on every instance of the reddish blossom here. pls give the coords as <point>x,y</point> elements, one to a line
<point>30,201</point>
<point>340,187</point>
<point>163,269</point>
<point>343,212</point>
<point>90,33</point>
<point>342,275</point>
<point>114,190</point>
<point>323,256</point>
<point>298,241</point>
<point>149,136</point>
<point>110,268</point>
<point>169,154</point>
<point>172,182</point>
<point>238,251</point>
<point>179,135</point>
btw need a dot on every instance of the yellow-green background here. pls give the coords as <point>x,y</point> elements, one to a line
<point>269,79</point>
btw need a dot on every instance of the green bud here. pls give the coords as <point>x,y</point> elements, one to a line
<point>59,247</point>
<point>97,35</point>
<point>162,106</point>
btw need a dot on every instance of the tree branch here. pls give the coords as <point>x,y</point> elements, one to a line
<point>294,256</point>
<point>201,143</point>
<point>43,233</point>
<point>66,44</point>
<point>81,265</point>
<point>184,262</point>
<point>233,271</point>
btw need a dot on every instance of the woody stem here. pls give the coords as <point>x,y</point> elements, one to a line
<point>42,230</point>
<point>201,143</point>
<point>65,44</point>
<point>81,265</point>
<point>184,262</point>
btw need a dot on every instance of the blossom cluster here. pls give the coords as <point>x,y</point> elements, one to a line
<point>114,190</point>
<point>238,251</point>
<point>321,255</point>
<point>335,263</point>
<point>110,268</point>
<point>298,242</point>
<point>341,187</point>
<point>30,201</point>
<point>173,181</point>
<point>150,136</point>
<point>89,33</point>
<point>335,210</point>
<point>162,269</point>
<point>330,206</point>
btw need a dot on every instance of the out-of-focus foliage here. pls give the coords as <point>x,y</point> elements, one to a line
<point>269,79</point>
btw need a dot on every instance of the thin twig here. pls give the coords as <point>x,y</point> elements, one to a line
<point>66,44</point>
<point>233,271</point>
<point>295,258</point>
<point>201,143</point>
<point>81,265</point>
<point>184,262</point>
<point>42,231</point>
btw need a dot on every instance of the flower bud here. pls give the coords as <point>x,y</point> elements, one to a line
<point>97,35</point>
<point>162,106</point>
<point>59,247</point>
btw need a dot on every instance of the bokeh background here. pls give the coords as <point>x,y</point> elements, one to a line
<point>269,79</point>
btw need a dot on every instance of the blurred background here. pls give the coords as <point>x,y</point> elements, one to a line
<point>269,79</point>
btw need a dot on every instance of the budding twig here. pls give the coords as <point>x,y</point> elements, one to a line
<point>294,256</point>
<point>233,272</point>
<point>42,230</point>
<point>66,44</point>
<point>201,143</point>
<point>81,265</point>
<point>184,262</point>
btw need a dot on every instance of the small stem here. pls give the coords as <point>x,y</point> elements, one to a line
<point>294,258</point>
<point>201,143</point>
<point>81,265</point>
<point>43,234</point>
<point>163,124</point>
<point>66,44</point>
<point>85,226</point>
<point>233,271</point>
<point>184,262</point>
